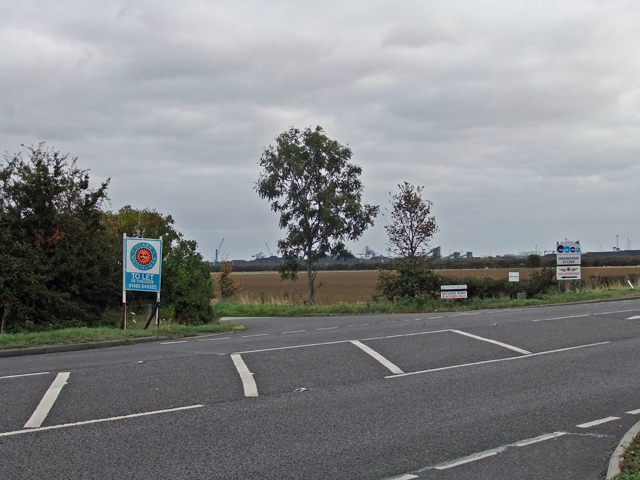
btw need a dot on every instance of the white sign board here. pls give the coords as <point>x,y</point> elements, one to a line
<point>569,272</point>
<point>514,276</point>
<point>453,294</point>
<point>453,287</point>
<point>569,258</point>
<point>142,264</point>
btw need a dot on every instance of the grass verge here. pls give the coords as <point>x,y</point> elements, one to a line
<point>67,336</point>
<point>233,309</point>
<point>630,465</point>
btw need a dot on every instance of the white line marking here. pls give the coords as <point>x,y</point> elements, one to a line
<point>100,420</point>
<point>497,360</point>
<point>358,325</point>
<point>635,317</point>
<point>327,328</point>
<point>394,368</point>
<point>170,343</point>
<point>505,345</point>
<point>562,318</point>
<point>634,412</point>
<point>392,321</point>
<point>256,335</point>
<point>249,384</point>
<point>42,410</point>
<point>541,438</point>
<point>25,375</point>
<point>294,331</point>
<point>597,422</point>
<point>470,458</point>
<point>405,335</point>
<point>214,339</point>
<point>407,476</point>
<point>413,320</point>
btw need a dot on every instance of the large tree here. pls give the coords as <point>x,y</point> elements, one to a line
<point>308,179</point>
<point>57,261</point>
<point>410,229</point>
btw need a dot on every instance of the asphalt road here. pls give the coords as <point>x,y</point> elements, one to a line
<point>535,393</point>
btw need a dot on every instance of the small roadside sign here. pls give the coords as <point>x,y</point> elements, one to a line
<point>453,287</point>
<point>453,294</point>
<point>142,264</point>
<point>514,276</point>
<point>569,272</point>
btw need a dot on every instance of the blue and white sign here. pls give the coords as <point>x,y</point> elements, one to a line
<point>142,264</point>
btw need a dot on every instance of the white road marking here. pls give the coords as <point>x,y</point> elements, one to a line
<point>25,375</point>
<point>634,412</point>
<point>505,345</point>
<point>405,335</point>
<point>214,339</point>
<point>100,420</point>
<point>597,422</point>
<point>42,410</point>
<point>470,458</point>
<point>294,331</point>
<point>358,325</point>
<point>562,318</point>
<point>170,343</point>
<point>635,317</point>
<point>249,384</point>
<point>392,321</point>
<point>407,476</point>
<point>394,368</point>
<point>541,438</point>
<point>256,335</point>
<point>413,320</point>
<point>327,328</point>
<point>496,360</point>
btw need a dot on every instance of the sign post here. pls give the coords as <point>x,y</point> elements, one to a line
<point>568,263</point>
<point>453,292</point>
<point>141,271</point>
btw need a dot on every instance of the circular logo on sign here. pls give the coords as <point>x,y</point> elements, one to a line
<point>143,256</point>
<point>560,249</point>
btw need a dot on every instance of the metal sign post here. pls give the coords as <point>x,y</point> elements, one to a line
<point>141,271</point>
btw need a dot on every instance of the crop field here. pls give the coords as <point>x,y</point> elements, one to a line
<point>359,286</point>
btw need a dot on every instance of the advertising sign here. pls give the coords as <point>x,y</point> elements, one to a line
<point>569,259</point>
<point>569,273</point>
<point>568,252</point>
<point>142,264</point>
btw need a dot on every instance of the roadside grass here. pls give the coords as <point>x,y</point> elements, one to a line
<point>67,336</point>
<point>282,309</point>
<point>630,465</point>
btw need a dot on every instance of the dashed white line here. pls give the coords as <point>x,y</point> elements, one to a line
<point>392,321</point>
<point>256,335</point>
<point>213,339</point>
<point>249,384</point>
<point>294,331</point>
<point>413,320</point>
<point>327,328</point>
<point>597,422</point>
<point>634,412</point>
<point>358,325</point>
<point>170,343</point>
<point>407,476</point>
<point>391,366</point>
<point>47,401</point>
<point>25,375</point>
<point>100,420</point>
<point>541,438</point>
<point>505,345</point>
<point>470,458</point>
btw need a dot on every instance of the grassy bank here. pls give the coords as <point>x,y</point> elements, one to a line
<point>256,309</point>
<point>630,465</point>
<point>67,336</point>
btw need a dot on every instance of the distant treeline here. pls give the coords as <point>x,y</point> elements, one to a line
<point>532,261</point>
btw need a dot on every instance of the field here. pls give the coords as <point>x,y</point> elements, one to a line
<point>359,286</point>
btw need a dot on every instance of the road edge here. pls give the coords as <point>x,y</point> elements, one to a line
<point>618,453</point>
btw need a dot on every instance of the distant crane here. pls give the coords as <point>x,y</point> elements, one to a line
<point>268,250</point>
<point>219,250</point>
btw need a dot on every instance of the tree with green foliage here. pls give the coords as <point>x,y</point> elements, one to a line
<point>186,288</point>
<point>56,257</point>
<point>226,285</point>
<point>308,179</point>
<point>410,229</point>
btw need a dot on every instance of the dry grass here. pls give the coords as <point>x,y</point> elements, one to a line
<point>359,286</point>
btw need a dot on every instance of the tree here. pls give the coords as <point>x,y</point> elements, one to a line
<point>308,179</point>
<point>187,287</point>
<point>410,229</point>
<point>56,258</point>
<point>226,285</point>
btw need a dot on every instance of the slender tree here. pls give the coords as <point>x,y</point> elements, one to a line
<point>308,179</point>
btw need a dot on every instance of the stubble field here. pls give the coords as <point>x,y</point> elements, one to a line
<point>359,286</point>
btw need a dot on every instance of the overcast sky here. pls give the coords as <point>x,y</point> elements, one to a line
<point>520,118</point>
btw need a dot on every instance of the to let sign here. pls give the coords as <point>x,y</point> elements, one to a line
<point>142,264</point>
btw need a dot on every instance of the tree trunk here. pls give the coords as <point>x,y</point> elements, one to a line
<point>310,280</point>
<point>5,309</point>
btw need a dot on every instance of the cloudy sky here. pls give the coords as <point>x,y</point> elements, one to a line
<point>520,118</point>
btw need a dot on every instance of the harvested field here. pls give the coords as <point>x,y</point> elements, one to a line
<point>359,286</point>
